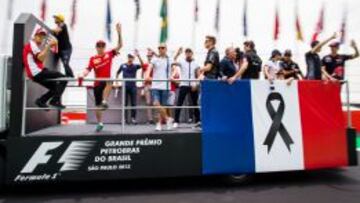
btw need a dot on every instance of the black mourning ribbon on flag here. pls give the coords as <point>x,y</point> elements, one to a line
<point>277,125</point>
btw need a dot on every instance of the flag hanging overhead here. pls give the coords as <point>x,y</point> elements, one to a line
<point>320,24</point>
<point>164,21</point>
<point>277,24</point>
<point>196,11</point>
<point>299,35</point>
<point>217,16</point>
<point>108,20</point>
<point>343,27</point>
<point>245,28</point>
<point>73,14</point>
<point>43,10</point>
<point>137,9</point>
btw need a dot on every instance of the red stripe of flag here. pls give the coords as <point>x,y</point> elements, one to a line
<point>319,25</point>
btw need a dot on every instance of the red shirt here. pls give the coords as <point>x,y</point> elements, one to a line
<point>102,65</point>
<point>33,65</point>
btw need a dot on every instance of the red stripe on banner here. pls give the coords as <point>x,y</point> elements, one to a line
<point>74,116</point>
<point>323,125</point>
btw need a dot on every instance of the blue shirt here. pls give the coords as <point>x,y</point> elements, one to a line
<point>129,72</point>
<point>227,67</point>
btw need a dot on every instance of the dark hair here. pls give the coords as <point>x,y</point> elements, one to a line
<point>314,43</point>
<point>274,53</point>
<point>288,53</point>
<point>211,38</point>
<point>250,44</point>
<point>188,50</point>
<point>239,54</point>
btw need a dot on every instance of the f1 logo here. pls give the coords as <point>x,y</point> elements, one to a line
<point>71,159</point>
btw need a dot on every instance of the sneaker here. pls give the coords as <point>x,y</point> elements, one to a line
<point>57,105</point>
<point>158,127</point>
<point>133,121</point>
<point>169,123</point>
<point>41,104</point>
<point>99,127</point>
<point>198,125</point>
<point>104,105</point>
<point>175,125</point>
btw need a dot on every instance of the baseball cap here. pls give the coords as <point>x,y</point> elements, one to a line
<point>40,31</point>
<point>130,56</point>
<point>59,17</point>
<point>334,44</point>
<point>100,43</point>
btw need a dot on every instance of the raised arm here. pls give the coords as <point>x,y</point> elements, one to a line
<point>321,44</point>
<point>137,54</point>
<point>43,54</point>
<point>178,53</point>
<point>354,46</point>
<point>120,41</point>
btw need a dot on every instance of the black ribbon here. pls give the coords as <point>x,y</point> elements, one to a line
<point>276,125</point>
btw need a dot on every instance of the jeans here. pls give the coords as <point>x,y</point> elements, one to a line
<point>130,97</point>
<point>183,91</point>
<point>64,56</point>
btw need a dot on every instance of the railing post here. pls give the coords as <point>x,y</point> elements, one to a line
<point>123,95</point>
<point>23,120</point>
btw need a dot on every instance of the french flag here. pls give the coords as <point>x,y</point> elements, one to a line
<point>255,126</point>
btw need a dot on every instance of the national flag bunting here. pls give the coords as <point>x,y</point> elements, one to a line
<point>299,34</point>
<point>43,10</point>
<point>250,128</point>
<point>164,21</point>
<point>276,24</point>
<point>319,25</point>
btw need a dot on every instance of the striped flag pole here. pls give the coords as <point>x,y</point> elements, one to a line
<point>73,14</point>
<point>164,21</point>
<point>108,20</point>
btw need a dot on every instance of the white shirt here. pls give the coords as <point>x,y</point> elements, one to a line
<point>273,68</point>
<point>187,72</point>
<point>161,71</point>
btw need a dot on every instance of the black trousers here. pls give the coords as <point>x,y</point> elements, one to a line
<point>64,56</point>
<point>56,88</point>
<point>194,95</point>
<point>130,97</point>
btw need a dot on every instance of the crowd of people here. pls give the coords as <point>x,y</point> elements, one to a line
<point>182,72</point>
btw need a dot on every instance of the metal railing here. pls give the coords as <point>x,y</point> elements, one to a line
<point>123,108</point>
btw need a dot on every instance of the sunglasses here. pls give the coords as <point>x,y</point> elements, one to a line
<point>161,47</point>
